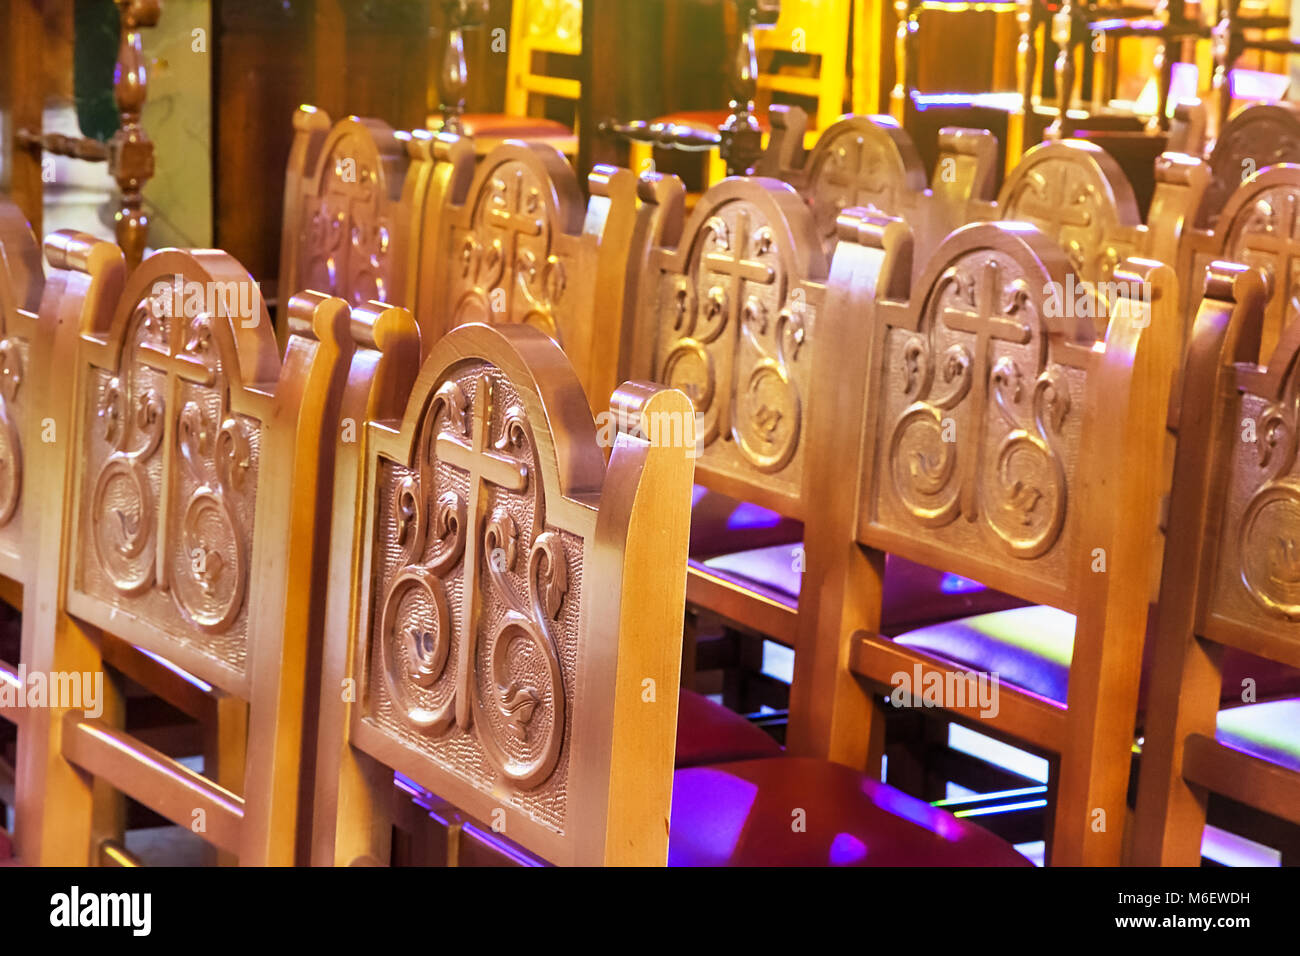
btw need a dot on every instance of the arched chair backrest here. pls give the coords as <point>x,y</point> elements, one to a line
<point>349,205</point>
<point>517,599</point>
<point>727,311</point>
<point>513,242</point>
<point>1259,135</point>
<point>1076,193</point>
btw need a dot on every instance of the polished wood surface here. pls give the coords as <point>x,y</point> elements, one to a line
<point>569,752</point>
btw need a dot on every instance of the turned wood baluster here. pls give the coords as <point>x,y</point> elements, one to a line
<point>461,15</point>
<point>1062,34</point>
<point>742,141</point>
<point>130,151</point>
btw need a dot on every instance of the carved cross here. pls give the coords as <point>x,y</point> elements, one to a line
<point>856,170</point>
<point>484,467</point>
<point>988,322</point>
<point>1047,200</point>
<point>737,268</point>
<point>506,213</point>
<point>178,366</point>
<point>1279,242</point>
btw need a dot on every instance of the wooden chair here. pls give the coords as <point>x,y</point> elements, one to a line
<point>194,457</point>
<point>870,161</point>
<point>514,628</point>
<point>512,241</point>
<point>21,282</point>
<point>1045,410</point>
<point>728,309</point>
<point>540,30</point>
<point>1259,135</point>
<point>812,32</point>
<point>1227,583</point>
<point>352,193</point>
<point>1255,226</point>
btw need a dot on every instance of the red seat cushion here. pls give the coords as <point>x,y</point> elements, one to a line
<point>1030,647</point>
<point>6,845</point>
<point>744,814</point>
<point>710,733</point>
<point>499,125</point>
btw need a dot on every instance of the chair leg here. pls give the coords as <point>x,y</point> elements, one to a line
<point>225,747</point>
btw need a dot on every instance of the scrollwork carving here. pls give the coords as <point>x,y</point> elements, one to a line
<point>11,452</point>
<point>938,469</point>
<point>1269,537</point>
<point>488,664</point>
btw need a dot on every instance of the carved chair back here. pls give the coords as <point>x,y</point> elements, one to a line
<point>870,161</point>
<point>541,27</point>
<point>183,520</point>
<point>21,283</point>
<point>1258,225</point>
<point>1259,135</point>
<point>514,635</point>
<point>725,309</point>
<point>987,426</point>
<point>1230,575</point>
<point>352,192</point>
<point>512,241</point>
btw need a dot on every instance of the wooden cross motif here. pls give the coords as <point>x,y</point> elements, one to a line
<point>172,360</point>
<point>988,322</point>
<point>484,467</point>
<point>506,213</point>
<point>1279,242</point>
<point>737,268</point>
<point>857,172</point>
<point>1050,204</point>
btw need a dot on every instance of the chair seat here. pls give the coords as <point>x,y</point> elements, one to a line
<point>6,845</point>
<point>914,594</point>
<point>742,814</point>
<point>708,733</point>
<point>1270,730</point>
<point>502,126</point>
<point>1030,647</point>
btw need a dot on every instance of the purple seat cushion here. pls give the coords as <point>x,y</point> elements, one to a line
<point>1270,730</point>
<point>743,814</point>
<point>1031,648</point>
<point>914,594</point>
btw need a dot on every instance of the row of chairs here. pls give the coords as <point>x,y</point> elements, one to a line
<point>771,316</point>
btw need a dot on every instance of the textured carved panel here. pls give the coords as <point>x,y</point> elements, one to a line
<point>13,365</point>
<point>1258,136</point>
<point>509,264</point>
<point>981,419</point>
<point>347,221</point>
<point>732,329</point>
<point>169,483</point>
<point>475,609</point>
<point>856,163</point>
<point>1068,197</point>
<point>1258,580</point>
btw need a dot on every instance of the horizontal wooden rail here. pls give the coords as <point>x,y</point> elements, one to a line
<point>1243,777</point>
<point>156,780</point>
<point>741,605</point>
<point>1022,716</point>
